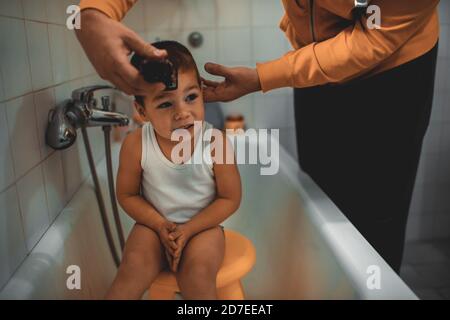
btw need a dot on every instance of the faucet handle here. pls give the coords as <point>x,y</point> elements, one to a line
<point>84,94</point>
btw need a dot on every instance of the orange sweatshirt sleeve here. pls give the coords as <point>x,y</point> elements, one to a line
<point>353,52</point>
<point>115,9</point>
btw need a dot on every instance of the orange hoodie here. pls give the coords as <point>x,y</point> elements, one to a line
<point>329,46</point>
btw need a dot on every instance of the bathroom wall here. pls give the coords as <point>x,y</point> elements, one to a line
<point>41,63</point>
<point>430,209</point>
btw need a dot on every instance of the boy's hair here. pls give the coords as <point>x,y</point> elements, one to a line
<point>180,57</point>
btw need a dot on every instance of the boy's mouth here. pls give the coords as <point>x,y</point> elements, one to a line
<point>187,127</point>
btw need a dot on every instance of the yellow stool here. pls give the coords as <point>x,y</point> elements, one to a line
<point>239,258</point>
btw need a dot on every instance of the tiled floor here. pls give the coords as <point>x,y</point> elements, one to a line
<point>426,268</point>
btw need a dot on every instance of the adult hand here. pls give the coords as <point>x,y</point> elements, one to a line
<point>108,44</point>
<point>238,82</point>
<point>181,236</point>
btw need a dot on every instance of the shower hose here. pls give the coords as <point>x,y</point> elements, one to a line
<point>98,192</point>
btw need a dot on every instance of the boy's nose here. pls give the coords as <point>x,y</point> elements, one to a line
<point>181,115</point>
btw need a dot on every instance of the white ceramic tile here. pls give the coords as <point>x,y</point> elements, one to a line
<point>234,45</point>
<point>39,54</point>
<point>233,13</point>
<point>163,15</point>
<point>207,51</point>
<point>2,92</point>
<point>35,10</point>
<point>444,12</point>
<point>11,8</point>
<point>198,14</point>
<point>44,101</point>
<point>59,53</point>
<point>272,111</point>
<point>74,54</point>
<point>12,242</point>
<point>13,58</point>
<point>134,18</point>
<point>431,141</point>
<point>54,184</point>
<point>23,134</point>
<point>75,166</point>
<point>56,11</point>
<point>6,165</point>
<point>267,12</point>
<point>268,44</point>
<point>444,41</point>
<point>243,106</point>
<point>33,205</point>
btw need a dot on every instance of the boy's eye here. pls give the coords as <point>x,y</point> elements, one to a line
<point>191,97</point>
<point>164,105</point>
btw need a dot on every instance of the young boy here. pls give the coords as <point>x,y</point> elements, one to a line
<point>178,208</point>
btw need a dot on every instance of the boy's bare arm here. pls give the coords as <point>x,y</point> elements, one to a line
<point>228,198</point>
<point>129,181</point>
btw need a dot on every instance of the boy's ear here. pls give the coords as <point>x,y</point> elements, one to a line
<point>140,109</point>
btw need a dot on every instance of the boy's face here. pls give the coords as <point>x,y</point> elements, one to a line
<point>177,109</point>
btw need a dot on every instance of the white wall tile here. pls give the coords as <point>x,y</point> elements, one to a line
<point>44,101</point>
<point>35,10</point>
<point>207,51</point>
<point>33,205</point>
<point>162,15</point>
<point>267,12</point>
<point>54,184</point>
<point>23,133</point>
<point>234,45</point>
<point>13,58</point>
<point>268,44</point>
<point>12,242</point>
<point>11,8</point>
<point>56,10</point>
<point>233,13</point>
<point>6,165</point>
<point>59,53</point>
<point>198,14</point>
<point>39,54</point>
<point>272,111</point>
<point>74,54</point>
<point>134,18</point>
<point>2,92</point>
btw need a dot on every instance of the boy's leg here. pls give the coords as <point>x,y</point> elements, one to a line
<point>200,261</point>
<point>142,260</point>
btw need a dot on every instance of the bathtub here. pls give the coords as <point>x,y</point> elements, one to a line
<point>305,247</point>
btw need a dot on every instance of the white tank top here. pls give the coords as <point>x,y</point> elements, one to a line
<point>177,191</point>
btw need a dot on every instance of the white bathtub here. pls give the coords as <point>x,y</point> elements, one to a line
<point>305,247</point>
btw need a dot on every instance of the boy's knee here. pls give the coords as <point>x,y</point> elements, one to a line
<point>133,261</point>
<point>198,273</point>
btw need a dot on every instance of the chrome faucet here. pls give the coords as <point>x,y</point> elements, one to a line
<point>80,111</point>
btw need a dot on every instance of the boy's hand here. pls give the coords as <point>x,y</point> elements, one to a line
<point>164,231</point>
<point>181,236</point>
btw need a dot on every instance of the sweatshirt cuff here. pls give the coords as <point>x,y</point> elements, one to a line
<point>102,6</point>
<point>274,74</point>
